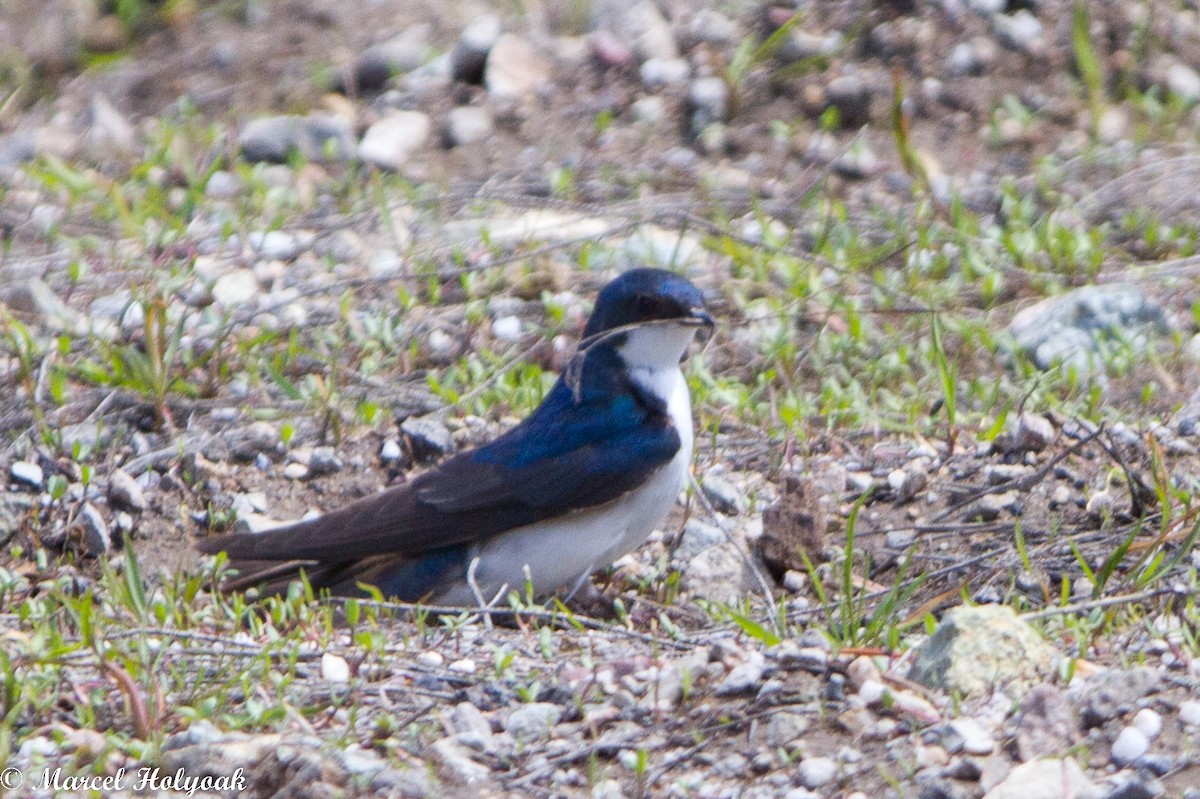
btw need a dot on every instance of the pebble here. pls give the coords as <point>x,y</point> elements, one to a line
<point>817,771</point>
<point>276,245</point>
<point>514,68</point>
<point>34,296</point>
<point>96,539</point>
<point>468,124</point>
<point>1020,31</point>
<point>324,460</point>
<point>27,472</point>
<point>334,668</point>
<point>851,96</point>
<point>1131,744</point>
<point>533,721</point>
<point>743,677</point>
<point>318,138</point>
<point>390,451</point>
<point>1049,778</point>
<point>710,102</point>
<point>992,506</point>
<point>644,26</point>
<point>456,759</point>
<point>431,658</point>
<point>1189,712</point>
<point>649,110</point>
<point>656,72</point>
<point>968,735</point>
<point>1031,433</point>
<point>124,491</point>
<point>463,666</point>
<point>295,471</point>
<point>697,536</point>
<point>427,437</point>
<point>470,54</point>
<point>235,289</point>
<point>1149,722</point>
<point>380,62</point>
<point>392,141</point>
<point>1183,81</point>
<point>507,328</point>
<point>722,494</point>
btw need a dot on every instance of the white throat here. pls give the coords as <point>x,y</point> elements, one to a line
<point>656,346</point>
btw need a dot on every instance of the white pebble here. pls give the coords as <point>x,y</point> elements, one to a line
<point>464,666</point>
<point>1189,713</point>
<point>431,659</point>
<point>1149,722</point>
<point>507,328</point>
<point>335,668</point>
<point>390,451</point>
<point>27,472</point>
<point>1131,744</point>
<point>817,771</point>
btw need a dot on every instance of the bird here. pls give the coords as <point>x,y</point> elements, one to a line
<point>580,482</point>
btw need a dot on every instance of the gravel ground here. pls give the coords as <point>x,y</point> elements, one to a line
<point>501,153</point>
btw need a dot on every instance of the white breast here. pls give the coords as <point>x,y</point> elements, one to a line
<point>561,553</point>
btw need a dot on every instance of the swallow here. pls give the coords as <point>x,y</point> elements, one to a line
<point>580,482</point>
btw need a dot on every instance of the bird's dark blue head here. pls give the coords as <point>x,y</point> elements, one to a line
<point>647,295</point>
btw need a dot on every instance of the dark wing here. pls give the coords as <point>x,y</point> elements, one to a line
<point>565,456</point>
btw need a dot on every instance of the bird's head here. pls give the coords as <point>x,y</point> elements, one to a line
<point>649,316</point>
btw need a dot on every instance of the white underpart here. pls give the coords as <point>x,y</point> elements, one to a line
<point>561,553</point>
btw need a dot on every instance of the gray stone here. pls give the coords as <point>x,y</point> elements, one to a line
<point>992,506</point>
<point>642,25</point>
<point>324,460</point>
<point>1113,693</point>
<point>456,759</point>
<point>380,62</point>
<point>235,289</point>
<point>723,496</point>
<point>470,54</point>
<point>124,491</point>
<point>392,141</point>
<point>13,508</point>
<point>1047,724</point>
<point>1189,712</point>
<point>532,721</point>
<point>817,771</point>
<point>743,677</point>
<point>1183,81</point>
<point>28,473</point>
<point>1020,31</point>
<point>275,244</point>
<point>1131,743</point>
<point>1031,433</point>
<point>1042,779</point>
<point>802,45</point>
<point>34,296</point>
<point>1076,328</point>
<point>514,68</point>
<point>976,650</point>
<point>851,96</point>
<point>94,538</point>
<point>390,451</point>
<point>468,124</point>
<point>427,437</point>
<point>786,727</point>
<point>709,99</point>
<point>318,138</point>
<point>656,72</point>
<point>968,735</point>
<point>697,536</point>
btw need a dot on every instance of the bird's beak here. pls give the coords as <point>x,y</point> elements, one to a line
<point>698,317</point>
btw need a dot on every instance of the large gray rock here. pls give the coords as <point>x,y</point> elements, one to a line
<point>976,650</point>
<point>1075,329</point>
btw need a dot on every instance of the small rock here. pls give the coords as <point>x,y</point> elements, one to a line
<point>27,472</point>
<point>977,649</point>
<point>786,727</point>
<point>656,72</point>
<point>1189,712</point>
<point>514,68</point>
<point>709,99</point>
<point>466,719</point>
<point>1020,31</point>
<point>968,735</point>
<point>649,110</point>
<point>390,451</point>
<point>334,668</point>
<point>467,124</point>
<point>1131,744</point>
<point>533,721</point>
<point>295,471</point>
<point>235,289</point>
<point>743,677</point>
<point>379,63</point>
<point>644,27</point>
<point>1043,779</point>
<point>124,491</point>
<point>470,54</point>
<point>94,537</point>
<point>851,96</point>
<point>697,536</point>
<point>1183,81</point>
<point>275,245</point>
<point>723,496</point>
<point>507,328</point>
<point>1112,693</point>
<point>427,437</point>
<point>34,296</point>
<point>392,141</point>
<point>817,771</point>
<point>13,508</point>
<point>463,666</point>
<point>324,460</point>
<point>1031,433</point>
<point>456,759</point>
<point>317,138</point>
<point>991,506</point>
<point>1047,725</point>
<point>1148,722</point>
